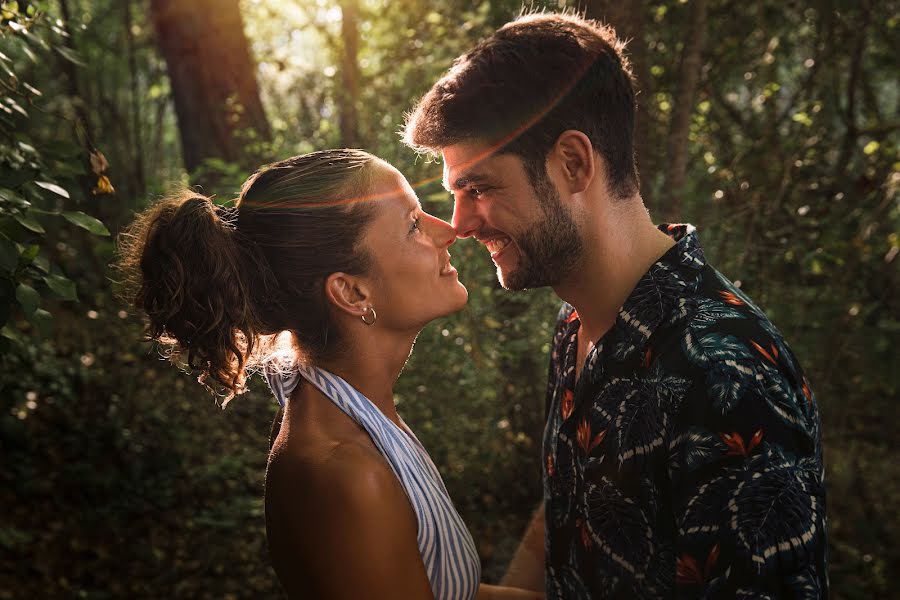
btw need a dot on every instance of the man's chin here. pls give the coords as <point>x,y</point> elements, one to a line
<point>516,280</point>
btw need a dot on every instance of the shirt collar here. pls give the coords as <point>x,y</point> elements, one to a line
<point>658,298</point>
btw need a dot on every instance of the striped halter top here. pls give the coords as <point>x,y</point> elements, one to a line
<point>448,551</point>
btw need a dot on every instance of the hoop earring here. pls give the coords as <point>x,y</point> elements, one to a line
<point>372,318</point>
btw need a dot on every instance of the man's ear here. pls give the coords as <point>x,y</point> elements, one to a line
<point>575,158</point>
<point>347,294</point>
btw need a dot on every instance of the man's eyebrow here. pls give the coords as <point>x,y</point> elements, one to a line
<point>467,179</point>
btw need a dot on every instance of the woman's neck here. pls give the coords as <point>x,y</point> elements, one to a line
<point>372,365</point>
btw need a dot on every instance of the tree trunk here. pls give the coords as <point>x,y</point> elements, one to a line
<point>683,109</point>
<point>136,141</point>
<point>213,80</point>
<point>349,95</point>
<point>629,19</point>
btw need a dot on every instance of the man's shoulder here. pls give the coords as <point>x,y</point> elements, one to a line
<point>740,363</point>
<point>720,315</point>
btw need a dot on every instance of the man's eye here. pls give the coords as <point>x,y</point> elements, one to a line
<point>476,192</point>
<point>415,225</point>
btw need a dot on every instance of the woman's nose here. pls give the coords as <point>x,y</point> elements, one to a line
<point>442,233</point>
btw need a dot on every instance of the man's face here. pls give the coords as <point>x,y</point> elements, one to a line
<point>531,236</point>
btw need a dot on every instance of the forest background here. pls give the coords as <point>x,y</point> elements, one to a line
<point>772,125</point>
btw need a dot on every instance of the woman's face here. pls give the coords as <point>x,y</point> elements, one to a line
<point>413,281</point>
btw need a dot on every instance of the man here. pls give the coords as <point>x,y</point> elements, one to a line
<point>682,453</point>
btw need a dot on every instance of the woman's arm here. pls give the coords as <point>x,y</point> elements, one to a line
<point>496,592</point>
<point>343,528</point>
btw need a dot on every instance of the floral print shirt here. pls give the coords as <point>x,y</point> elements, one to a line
<point>686,461</point>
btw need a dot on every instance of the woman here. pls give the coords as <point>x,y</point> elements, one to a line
<point>333,248</point>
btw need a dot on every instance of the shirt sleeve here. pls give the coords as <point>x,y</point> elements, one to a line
<point>746,476</point>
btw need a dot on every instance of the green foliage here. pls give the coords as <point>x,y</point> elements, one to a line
<point>121,480</point>
<point>31,201</point>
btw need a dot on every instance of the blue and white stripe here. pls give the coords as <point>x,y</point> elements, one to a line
<point>448,552</point>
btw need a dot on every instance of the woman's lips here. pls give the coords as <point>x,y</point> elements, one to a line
<point>448,269</point>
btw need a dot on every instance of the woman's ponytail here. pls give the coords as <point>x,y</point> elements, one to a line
<point>186,269</point>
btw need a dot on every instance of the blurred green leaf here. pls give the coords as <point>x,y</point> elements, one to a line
<point>61,286</point>
<point>29,222</point>
<point>28,299</point>
<point>86,222</point>
<point>53,188</point>
<point>69,55</point>
<point>42,320</point>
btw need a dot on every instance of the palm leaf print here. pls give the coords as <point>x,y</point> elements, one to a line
<point>712,312</point>
<point>617,527</point>
<point>782,397</point>
<point>805,585</point>
<point>775,512</point>
<point>693,449</point>
<point>565,582</point>
<point>651,302</point>
<point>728,362</point>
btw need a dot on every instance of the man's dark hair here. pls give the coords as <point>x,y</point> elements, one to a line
<point>533,79</point>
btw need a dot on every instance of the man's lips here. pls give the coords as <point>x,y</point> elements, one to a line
<point>496,245</point>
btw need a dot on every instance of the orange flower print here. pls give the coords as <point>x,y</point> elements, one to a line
<point>586,540</point>
<point>735,443</point>
<point>584,436</point>
<point>568,404</point>
<point>572,316</point>
<point>688,572</point>
<point>770,355</point>
<point>730,298</point>
<point>807,392</point>
<point>550,469</point>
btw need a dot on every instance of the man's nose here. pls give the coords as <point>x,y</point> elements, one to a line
<point>465,221</point>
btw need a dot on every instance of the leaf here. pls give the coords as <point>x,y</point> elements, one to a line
<point>13,198</point>
<point>28,299</point>
<point>27,255</point>
<point>61,286</point>
<point>70,56</point>
<point>86,222</point>
<point>9,255</point>
<point>42,262</point>
<point>53,188</point>
<point>42,321</point>
<point>30,223</point>
<point>16,107</point>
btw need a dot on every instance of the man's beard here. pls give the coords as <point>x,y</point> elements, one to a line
<point>550,248</point>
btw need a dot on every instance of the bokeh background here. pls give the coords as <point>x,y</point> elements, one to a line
<point>771,125</point>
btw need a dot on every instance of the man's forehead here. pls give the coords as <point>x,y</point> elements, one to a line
<point>464,162</point>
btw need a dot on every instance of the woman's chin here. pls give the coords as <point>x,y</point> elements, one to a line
<point>456,300</point>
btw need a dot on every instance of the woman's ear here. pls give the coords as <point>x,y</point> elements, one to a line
<point>347,294</point>
<point>574,155</point>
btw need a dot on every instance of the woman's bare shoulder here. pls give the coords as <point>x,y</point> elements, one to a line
<point>342,511</point>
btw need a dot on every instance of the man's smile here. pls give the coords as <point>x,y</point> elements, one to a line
<point>496,245</point>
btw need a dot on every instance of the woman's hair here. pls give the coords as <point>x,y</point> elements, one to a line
<point>216,282</point>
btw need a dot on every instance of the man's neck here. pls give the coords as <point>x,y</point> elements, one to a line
<point>620,247</point>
